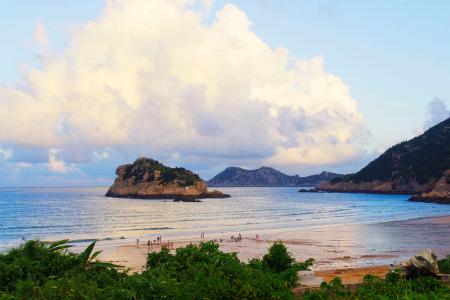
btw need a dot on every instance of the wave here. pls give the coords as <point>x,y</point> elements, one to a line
<point>90,240</point>
<point>84,241</point>
<point>42,226</point>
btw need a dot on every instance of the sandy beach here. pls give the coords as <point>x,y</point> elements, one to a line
<point>338,250</point>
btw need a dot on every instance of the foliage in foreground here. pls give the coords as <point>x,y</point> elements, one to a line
<point>38,270</point>
<point>444,265</point>
<point>393,287</point>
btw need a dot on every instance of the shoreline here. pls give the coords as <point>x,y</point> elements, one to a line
<point>414,196</point>
<point>208,195</point>
<point>373,192</point>
<point>350,246</point>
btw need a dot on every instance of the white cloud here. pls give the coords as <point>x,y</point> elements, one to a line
<point>100,155</point>
<point>6,153</point>
<point>153,74</point>
<point>58,165</point>
<point>437,112</point>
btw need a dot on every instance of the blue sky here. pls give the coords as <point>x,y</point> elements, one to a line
<point>392,55</point>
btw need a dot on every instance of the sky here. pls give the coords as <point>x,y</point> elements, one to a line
<point>302,86</point>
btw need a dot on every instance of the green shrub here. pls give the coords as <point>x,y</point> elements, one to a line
<point>280,263</point>
<point>332,290</point>
<point>444,265</point>
<point>393,287</point>
<point>204,272</point>
<point>38,270</point>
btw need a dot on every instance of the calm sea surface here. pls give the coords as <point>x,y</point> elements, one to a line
<point>84,213</point>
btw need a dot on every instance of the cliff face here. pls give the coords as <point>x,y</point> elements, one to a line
<point>266,176</point>
<point>377,186</point>
<point>440,192</point>
<point>411,167</point>
<point>147,178</point>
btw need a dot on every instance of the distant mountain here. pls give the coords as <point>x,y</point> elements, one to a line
<point>314,180</point>
<point>413,166</point>
<point>265,176</point>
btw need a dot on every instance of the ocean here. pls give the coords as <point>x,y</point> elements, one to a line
<point>82,214</point>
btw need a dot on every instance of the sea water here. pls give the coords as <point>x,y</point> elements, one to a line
<point>84,214</point>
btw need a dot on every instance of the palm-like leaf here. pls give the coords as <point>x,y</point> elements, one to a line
<point>88,258</point>
<point>86,254</point>
<point>59,245</point>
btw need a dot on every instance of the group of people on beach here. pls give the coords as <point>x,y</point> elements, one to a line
<point>158,241</point>
<point>237,238</point>
<point>169,245</point>
<point>150,242</point>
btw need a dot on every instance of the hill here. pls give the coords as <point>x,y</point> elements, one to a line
<point>410,167</point>
<point>314,180</point>
<point>148,178</point>
<point>265,176</point>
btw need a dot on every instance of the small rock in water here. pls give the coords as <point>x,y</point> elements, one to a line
<point>185,199</point>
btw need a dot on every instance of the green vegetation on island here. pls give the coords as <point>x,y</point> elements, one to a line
<point>420,166</point>
<point>148,170</point>
<point>420,159</point>
<point>40,270</point>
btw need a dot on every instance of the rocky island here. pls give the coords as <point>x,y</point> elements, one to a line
<point>420,166</point>
<point>149,179</point>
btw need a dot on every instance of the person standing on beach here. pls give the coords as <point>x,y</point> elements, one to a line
<point>137,242</point>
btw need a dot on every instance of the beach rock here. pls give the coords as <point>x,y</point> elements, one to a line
<point>186,199</point>
<point>313,190</point>
<point>148,179</point>
<point>424,263</point>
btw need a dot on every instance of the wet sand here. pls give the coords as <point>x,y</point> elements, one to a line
<point>343,247</point>
<point>352,275</point>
